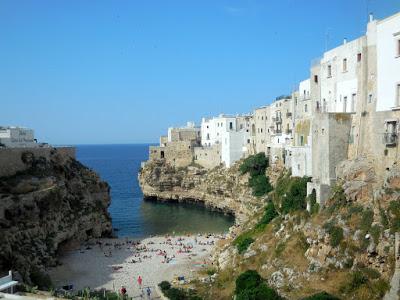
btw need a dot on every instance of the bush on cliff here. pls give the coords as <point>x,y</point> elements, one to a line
<point>291,193</point>
<point>269,214</point>
<point>256,166</point>
<point>250,286</point>
<point>243,242</point>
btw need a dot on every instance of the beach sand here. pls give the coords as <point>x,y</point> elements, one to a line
<point>111,263</point>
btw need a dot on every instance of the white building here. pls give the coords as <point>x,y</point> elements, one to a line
<point>17,137</point>
<point>387,35</point>
<point>230,132</point>
<point>340,71</point>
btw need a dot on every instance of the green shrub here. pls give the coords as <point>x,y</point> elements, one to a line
<point>295,196</point>
<point>394,216</point>
<point>355,280</point>
<point>177,293</point>
<point>250,286</point>
<point>336,236</point>
<point>243,242</point>
<point>269,214</point>
<point>164,285</point>
<point>371,273</point>
<point>367,218</point>
<point>375,233</point>
<point>314,206</point>
<point>260,185</point>
<point>256,166</point>
<point>321,296</point>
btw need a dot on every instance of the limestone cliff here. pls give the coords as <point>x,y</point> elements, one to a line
<point>220,188</point>
<point>55,201</point>
<point>346,249</point>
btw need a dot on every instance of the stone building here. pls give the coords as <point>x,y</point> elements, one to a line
<point>177,148</point>
<point>18,137</point>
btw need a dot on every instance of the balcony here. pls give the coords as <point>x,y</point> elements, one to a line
<point>390,139</point>
<point>288,115</point>
<point>288,131</point>
<point>278,131</point>
<point>277,120</point>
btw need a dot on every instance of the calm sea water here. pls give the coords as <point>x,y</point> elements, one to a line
<point>119,166</point>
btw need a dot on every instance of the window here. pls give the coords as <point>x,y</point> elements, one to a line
<point>262,118</point>
<point>398,95</point>
<point>230,125</point>
<point>353,102</point>
<point>358,57</point>
<point>329,71</point>
<point>301,140</point>
<point>261,130</point>
<point>345,65</point>
<point>398,47</point>
<point>305,107</point>
<point>316,78</point>
<point>248,141</point>
<point>345,104</point>
<point>370,98</point>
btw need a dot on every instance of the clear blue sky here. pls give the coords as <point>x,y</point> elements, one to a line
<point>123,71</point>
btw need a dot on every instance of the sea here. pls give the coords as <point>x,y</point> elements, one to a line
<point>134,217</point>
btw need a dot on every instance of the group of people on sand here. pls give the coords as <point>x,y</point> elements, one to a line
<point>124,294</point>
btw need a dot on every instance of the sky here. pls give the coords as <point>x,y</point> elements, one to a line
<point>106,72</point>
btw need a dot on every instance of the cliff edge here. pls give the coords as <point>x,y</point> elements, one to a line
<point>219,189</point>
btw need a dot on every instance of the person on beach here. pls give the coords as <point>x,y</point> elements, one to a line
<point>148,292</point>
<point>123,291</point>
<point>140,280</point>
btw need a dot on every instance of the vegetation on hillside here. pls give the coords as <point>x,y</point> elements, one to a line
<point>250,286</point>
<point>256,165</point>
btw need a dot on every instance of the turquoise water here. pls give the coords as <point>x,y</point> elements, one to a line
<point>132,216</point>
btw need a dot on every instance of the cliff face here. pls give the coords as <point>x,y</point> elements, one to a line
<point>220,189</point>
<point>55,201</point>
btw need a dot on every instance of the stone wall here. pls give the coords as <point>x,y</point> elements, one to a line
<point>208,157</point>
<point>11,158</point>
<point>178,154</point>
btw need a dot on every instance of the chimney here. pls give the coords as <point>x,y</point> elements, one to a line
<point>344,41</point>
<point>371,17</point>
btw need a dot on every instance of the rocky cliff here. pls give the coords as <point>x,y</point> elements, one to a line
<point>219,189</point>
<point>346,248</point>
<point>54,202</point>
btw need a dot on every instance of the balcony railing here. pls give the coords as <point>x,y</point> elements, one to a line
<point>390,138</point>
<point>288,114</point>
<point>288,131</point>
<point>277,119</point>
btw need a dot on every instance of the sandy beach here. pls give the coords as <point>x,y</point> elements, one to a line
<point>111,263</point>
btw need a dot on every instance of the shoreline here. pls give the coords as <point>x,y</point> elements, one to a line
<point>112,262</point>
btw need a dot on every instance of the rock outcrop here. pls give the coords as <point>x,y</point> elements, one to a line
<point>220,188</point>
<point>54,202</point>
